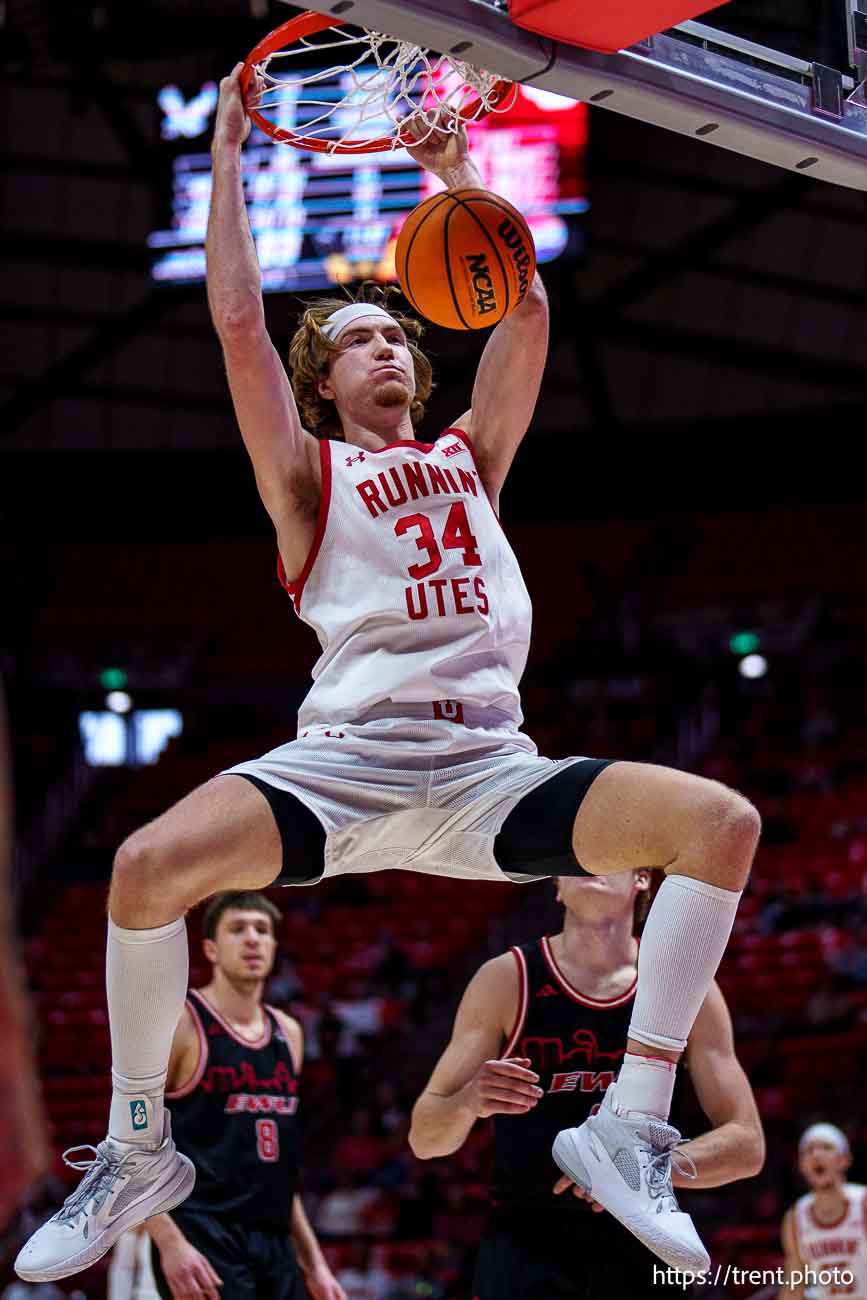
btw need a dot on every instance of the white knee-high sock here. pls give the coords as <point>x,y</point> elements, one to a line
<point>682,944</point>
<point>146,980</point>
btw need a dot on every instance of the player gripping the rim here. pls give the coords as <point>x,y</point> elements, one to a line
<point>409,750</point>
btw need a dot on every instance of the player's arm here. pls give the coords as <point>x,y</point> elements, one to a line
<point>469,1081</point>
<point>509,376</point>
<point>792,1266</point>
<point>184,1057</point>
<point>294,1036</point>
<point>185,1269</point>
<point>318,1278</point>
<point>734,1147</point>
<point>285,457</point>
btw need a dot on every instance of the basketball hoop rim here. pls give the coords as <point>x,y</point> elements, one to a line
<point>308,24</point>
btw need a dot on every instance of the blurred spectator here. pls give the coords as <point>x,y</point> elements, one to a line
<point>850,959</point>
<point>360,1017</point>
<point>395,969</point>
<point>285,983</point>
<point>360,1150</point>
<point>23,1140</point>
<point>462,1219</point>
<point>390,1115</point>
<point>350,1209</point>
<point>38,1291</point>
<point>361,1279</point>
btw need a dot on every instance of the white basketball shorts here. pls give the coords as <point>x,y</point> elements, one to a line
<point>418,792</point>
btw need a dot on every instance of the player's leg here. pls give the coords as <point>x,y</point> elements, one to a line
<point>704,836</point>
<point>222,836</point>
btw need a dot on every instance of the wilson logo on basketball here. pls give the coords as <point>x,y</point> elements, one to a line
<point>514,241</point>
<point>483,285</point>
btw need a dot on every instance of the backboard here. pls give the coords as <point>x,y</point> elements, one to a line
<point>778,80</point>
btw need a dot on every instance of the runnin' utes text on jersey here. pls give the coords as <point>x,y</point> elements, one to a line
<point>410,585</point>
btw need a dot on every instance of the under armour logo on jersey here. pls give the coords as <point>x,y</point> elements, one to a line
<point>548,991</point>
<point>352,460</point>
<point>334,735</point>
<point>453,449</point>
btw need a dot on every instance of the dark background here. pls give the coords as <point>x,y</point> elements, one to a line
<point>695,468</point>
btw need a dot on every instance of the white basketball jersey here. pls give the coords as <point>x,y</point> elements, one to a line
<point>410,585</point>
<point>835,1249</point>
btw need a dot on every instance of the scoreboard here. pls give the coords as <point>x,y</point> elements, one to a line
<point>322,219</point>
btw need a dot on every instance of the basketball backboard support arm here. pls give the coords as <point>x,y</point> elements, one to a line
<point>694,79</point>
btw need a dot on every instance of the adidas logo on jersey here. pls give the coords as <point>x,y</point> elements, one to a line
<point>547,992</point>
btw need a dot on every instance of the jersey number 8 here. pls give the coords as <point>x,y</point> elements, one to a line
<point>267,1141</point>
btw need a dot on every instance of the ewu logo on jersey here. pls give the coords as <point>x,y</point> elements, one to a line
<point>260,1104</point>
<point>547,1053</point>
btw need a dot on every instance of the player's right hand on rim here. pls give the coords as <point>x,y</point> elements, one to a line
<point>188,1273</point>
<point>506,1087</point>
<point>233,125</point>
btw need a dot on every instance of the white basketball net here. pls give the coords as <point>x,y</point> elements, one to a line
<point>372,92</point>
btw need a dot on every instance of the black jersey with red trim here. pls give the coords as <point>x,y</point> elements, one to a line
<point>236,1119</point>
<point>576,1045</point>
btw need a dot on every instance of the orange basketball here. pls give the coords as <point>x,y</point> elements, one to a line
<point>465,259</point>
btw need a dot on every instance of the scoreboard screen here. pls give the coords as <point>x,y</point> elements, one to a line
<point>320,219</point>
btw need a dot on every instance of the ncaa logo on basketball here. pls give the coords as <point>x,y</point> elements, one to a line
<point>512,238</point>
<point>483,285</point>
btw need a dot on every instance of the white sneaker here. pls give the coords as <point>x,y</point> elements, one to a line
<point>124,1185</point>
<point>624,1162</point>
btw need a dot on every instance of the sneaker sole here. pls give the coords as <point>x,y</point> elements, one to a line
<point>572,1156</point>
<point>168,1198</point>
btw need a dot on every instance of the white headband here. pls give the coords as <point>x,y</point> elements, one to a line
<point>338,320</point>
<point>829,1133</point>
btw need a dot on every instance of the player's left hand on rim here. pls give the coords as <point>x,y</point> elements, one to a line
<point>442,144</point>
<point>563,1184</point>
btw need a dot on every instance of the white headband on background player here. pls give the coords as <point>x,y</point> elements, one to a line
<point>829,1133</point>
<point>338,320</point>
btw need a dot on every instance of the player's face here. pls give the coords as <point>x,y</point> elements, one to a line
<point>598,897</point>
<point>822,1164</point>
<point>374,366</point>
<point>244,946</point>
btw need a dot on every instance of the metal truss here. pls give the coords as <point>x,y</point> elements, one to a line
<point>695,80</point>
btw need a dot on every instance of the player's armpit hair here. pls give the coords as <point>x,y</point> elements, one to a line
<point>310,354</point>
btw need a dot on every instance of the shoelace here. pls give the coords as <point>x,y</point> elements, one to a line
<point>102,1173</point>
<point>659,1175</point>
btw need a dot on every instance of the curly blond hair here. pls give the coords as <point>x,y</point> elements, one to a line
<point>310,354</point>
